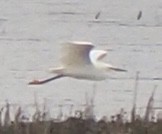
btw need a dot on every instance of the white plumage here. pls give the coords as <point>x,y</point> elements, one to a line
<point>81,61</point>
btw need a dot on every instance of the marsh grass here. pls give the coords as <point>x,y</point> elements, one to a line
<point>74,125</point>
<point>82,122</point>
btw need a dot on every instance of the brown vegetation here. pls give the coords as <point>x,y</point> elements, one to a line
<point>76,125</point>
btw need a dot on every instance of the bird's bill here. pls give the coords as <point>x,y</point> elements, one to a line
<point>117,69</point>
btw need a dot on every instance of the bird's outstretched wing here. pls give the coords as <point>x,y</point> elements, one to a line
<point>76,53</point>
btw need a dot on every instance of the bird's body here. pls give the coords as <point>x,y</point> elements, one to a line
<point>87,72</point>
<point>79,60</point>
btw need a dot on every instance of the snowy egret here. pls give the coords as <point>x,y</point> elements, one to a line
<point>81,61</point>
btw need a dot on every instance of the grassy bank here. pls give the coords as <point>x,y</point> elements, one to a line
<point>75,125</point>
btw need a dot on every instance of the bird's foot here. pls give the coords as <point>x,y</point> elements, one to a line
<point>34,82</point>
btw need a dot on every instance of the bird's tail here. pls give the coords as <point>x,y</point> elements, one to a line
<point>57,70</point>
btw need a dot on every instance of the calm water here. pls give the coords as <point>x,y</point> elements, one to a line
<point>31,32</point>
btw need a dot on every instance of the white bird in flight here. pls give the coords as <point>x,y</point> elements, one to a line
<point>81,61</point>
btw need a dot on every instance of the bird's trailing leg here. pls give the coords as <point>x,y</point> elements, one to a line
<point>39,82</point>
